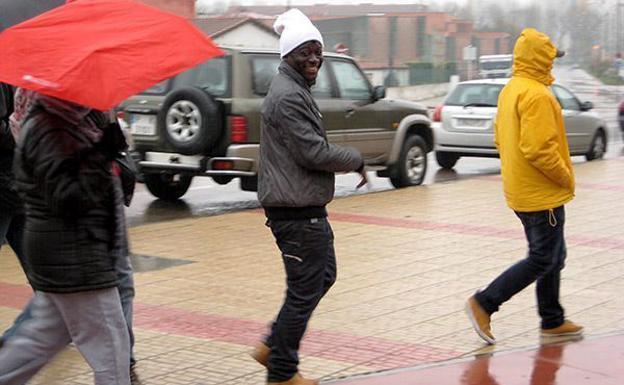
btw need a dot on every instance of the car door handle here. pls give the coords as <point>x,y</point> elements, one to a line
<point>349,113</point>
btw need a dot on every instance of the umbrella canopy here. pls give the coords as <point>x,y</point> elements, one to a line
<point>99,52</point>
<point>16,11</point>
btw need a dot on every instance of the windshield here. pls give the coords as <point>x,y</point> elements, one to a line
<point>496,65</point>
<point>212,76</point>
<point>474,94</point>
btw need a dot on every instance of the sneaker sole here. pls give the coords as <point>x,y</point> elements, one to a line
<point>476,327</point>
<point>569,334</point>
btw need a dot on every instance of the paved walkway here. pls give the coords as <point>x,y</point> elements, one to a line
<point>408,259</point>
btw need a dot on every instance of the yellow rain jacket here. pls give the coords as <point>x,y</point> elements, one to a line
<point>529,131</point>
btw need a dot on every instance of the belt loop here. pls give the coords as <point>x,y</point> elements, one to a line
<point>552,219</point>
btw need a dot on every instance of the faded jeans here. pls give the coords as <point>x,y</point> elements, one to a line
<point>93,320</point>
<point>12,228</point>
<point>543,264</point>
<point>307,248</point>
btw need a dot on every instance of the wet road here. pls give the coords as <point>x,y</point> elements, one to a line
<point>205,197</point>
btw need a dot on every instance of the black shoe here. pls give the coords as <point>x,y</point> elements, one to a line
<point>134,377</point>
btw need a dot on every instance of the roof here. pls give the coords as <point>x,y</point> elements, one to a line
<point>216,26</point>
<point>335,9</point>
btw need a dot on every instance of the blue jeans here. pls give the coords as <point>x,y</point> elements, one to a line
<point>12,228</point>
<point>307,248</point>
<point>545,259</point>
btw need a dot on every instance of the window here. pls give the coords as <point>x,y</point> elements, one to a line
<point>474,93</point>
<point>266,67</point>
<point>211,75</point>
<point>566,99</point>
<point>352,83</point>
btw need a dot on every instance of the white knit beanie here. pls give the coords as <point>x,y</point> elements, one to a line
<point>295,29</point>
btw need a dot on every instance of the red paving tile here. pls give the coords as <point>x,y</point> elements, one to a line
<point>374,352</point>
<point>459,228</point>
<point>589,362</point>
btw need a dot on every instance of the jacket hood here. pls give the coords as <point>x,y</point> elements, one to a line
<point>534,54</point>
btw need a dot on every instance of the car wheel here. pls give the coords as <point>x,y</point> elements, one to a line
<point>598,146</point>
<point>446,160</point>
<point>168,187</point>
<point>190,121</point>
<point>412,164</point>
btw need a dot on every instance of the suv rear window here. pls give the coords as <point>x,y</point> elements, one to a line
<point>212,75</point>
<point>474,93</point>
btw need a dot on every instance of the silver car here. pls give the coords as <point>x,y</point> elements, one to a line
<point>464,123</point>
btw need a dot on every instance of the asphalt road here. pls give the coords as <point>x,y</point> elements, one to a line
<point>205,197</point>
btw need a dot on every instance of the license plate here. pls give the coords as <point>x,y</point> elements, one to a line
<point>143,124</point>
<point>472,123</point>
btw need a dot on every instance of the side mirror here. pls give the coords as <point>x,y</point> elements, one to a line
<point>379,92</point>
<point>586,106</point>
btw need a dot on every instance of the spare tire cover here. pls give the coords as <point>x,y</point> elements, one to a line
<point>190,120</point>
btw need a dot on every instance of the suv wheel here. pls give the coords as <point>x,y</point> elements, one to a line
<point>168,187</point>
<point>446,160</point>
<point>598,146</point>
<point>190,120</point>
<point>412,164</point>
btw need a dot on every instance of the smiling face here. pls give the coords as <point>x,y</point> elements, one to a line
<point>307,60</point>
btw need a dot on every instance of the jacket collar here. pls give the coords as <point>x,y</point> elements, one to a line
<point>286,69</point>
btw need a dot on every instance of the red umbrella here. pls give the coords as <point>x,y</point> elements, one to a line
<point>99,52</point>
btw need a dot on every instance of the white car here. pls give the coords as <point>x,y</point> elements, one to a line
<point>464,123</point>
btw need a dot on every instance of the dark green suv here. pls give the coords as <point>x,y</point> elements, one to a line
<point>206,122</point>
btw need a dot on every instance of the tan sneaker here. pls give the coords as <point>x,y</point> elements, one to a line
<point>297,379</point>
<point>567,328</point>
<point>480,320</point>
<point>261,354</point>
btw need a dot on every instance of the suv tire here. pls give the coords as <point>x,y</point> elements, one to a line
<point>446,160</point>
<point>411,166</point>
<point>190,120</point>
<point>167,186</point>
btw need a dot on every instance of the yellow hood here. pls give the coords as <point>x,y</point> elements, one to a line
<point>534,54</point>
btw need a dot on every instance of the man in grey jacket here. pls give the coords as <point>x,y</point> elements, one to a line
<point>296,181</point>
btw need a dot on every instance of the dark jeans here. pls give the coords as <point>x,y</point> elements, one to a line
<point>12,228</point>
<point>307,248</point>
<point>546,256</point>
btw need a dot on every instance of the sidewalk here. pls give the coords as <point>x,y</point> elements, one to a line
<point>407,261</point>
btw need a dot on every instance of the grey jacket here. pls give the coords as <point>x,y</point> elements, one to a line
<point>297,164</point>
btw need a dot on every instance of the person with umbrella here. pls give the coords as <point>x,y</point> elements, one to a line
<point>63,169</point>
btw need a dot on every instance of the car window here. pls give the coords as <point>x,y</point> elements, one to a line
<point>158,88</point>
<point>566,99</point>
<point>211,76</point>
<point>351,81</point>
<point>474,93</point>
<point>265,67</point>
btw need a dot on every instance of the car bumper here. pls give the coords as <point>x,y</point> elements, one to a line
<point>465,144</point>
<point>240,161</point>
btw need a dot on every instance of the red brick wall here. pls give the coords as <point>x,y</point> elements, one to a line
<point>184,8</point>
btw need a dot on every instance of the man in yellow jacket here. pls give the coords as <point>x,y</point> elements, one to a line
<point>538,180</point>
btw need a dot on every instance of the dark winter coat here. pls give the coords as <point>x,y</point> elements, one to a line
<point>297,163</point>
<point>67,186</point>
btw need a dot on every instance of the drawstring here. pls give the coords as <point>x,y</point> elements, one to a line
<point>552,219</point>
